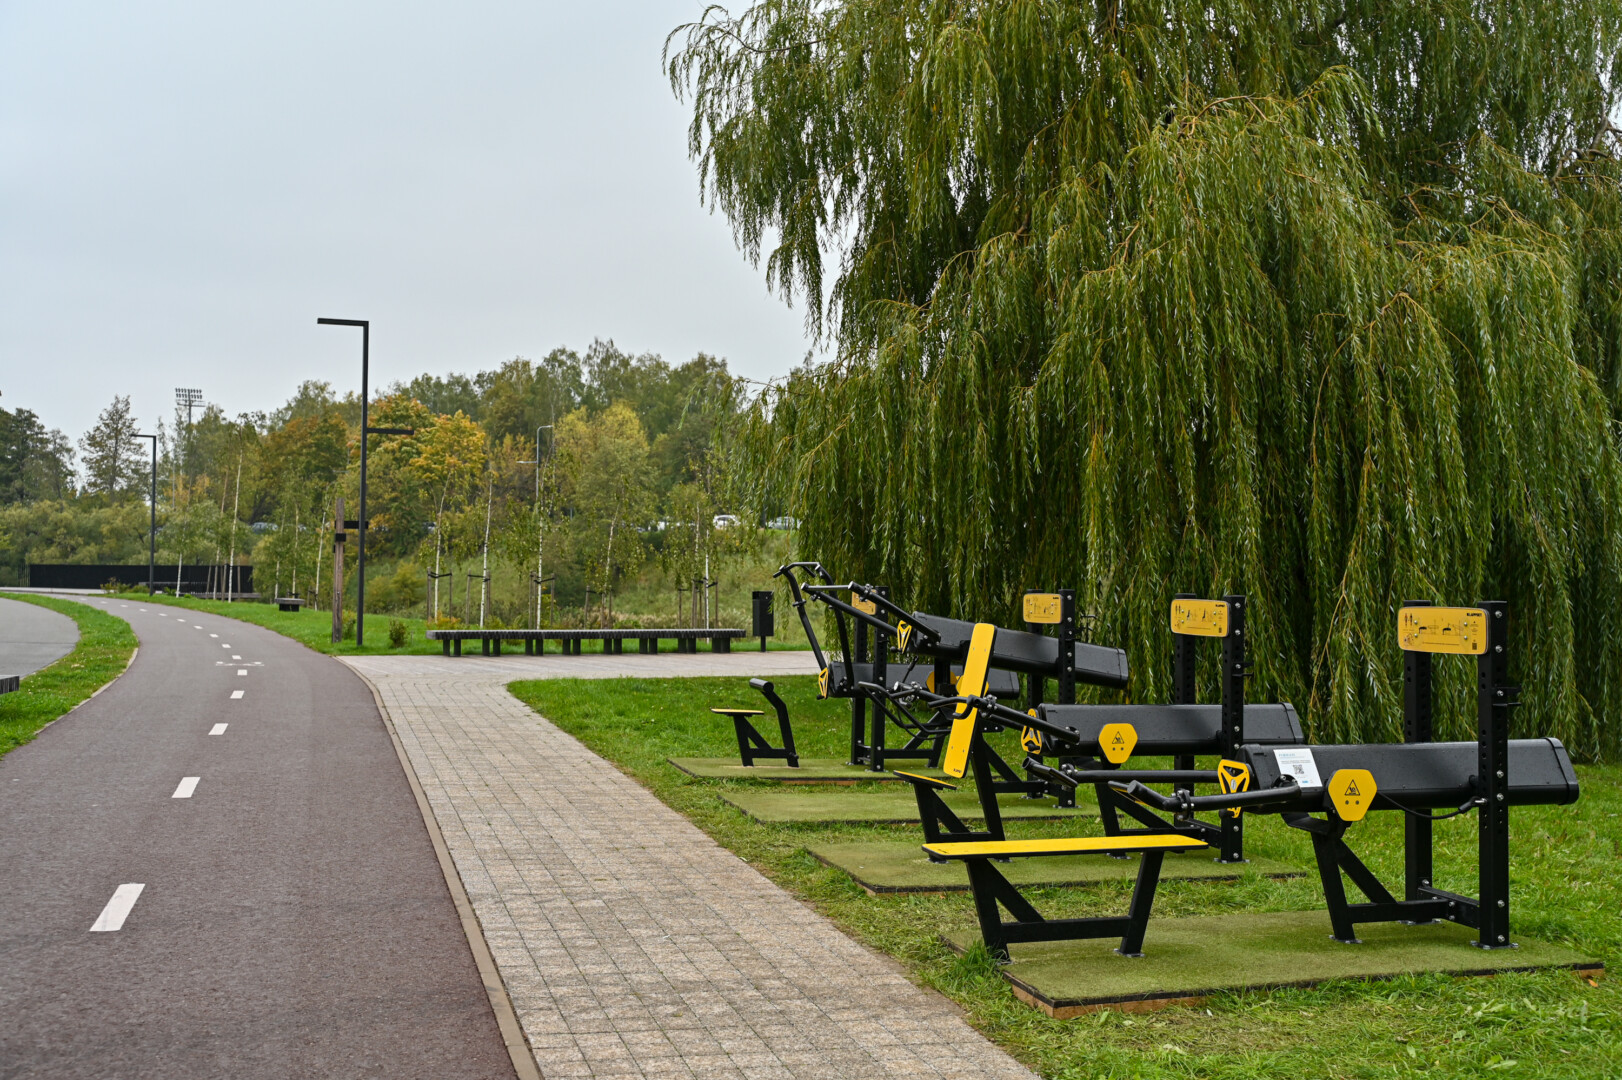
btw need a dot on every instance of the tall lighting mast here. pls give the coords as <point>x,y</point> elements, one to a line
<point>188,398</point>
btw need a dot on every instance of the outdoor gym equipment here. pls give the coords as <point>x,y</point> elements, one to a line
<point>938,646</point>
<point>865,646</point>
<point>1094,741</point>
<point>1489,776</point>
<point>751,744</point>
<point>992,890</point>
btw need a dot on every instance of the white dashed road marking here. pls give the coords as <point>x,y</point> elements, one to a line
<point>213,635</point>
<point>118,908</point>
<point>188,784</point>
<point>235,694</point>
<point>218,729</point>
<point>242,671</point>
<point>235,657</point>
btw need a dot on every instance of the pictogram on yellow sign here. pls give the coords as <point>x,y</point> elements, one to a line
<point>1031,739</point>
<point>822,683</point>
<point>1042,607</point>
<point>1350,793</point>
<point>1200,618</point>
<point>1460,630</point>
<point>859,604</point>
<point>1233,777</point>
<point>1117,741</point>
<point>903,635</point>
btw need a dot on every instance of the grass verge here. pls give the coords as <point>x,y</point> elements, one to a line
<point>314,628</point>
<point>105,646</point>
<point>1549,1024</point>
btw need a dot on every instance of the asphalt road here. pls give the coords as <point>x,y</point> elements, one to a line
<point>293,921</point>
<point>31,637</point>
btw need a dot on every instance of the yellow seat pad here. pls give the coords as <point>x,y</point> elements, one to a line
<point>1080,845</point>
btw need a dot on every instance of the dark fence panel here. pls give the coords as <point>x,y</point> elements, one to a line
<point>238,579</point>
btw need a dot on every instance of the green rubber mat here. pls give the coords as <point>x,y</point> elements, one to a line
<point>1185,959</point>
<point>811,771</point>
<point>879,807</point>
<point>897,866</point>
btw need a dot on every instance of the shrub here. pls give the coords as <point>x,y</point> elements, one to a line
<point>397,634</point>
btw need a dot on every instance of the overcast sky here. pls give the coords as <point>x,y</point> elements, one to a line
<point>186,186</point>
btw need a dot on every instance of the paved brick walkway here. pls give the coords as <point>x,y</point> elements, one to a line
<point>630,943</point>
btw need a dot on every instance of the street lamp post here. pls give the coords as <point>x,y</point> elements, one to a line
<point>152,534</point>
<point>365,430</point>
<point>540,544</point>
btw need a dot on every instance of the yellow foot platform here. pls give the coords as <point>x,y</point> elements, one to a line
<point>891,866</point>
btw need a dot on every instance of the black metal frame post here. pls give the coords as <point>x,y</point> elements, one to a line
<point>1232,843</point>
<point>1495,699</point>
<point>1067,646</point>
<point>1418,726</point>
<point>881,654</point>
<point>859,753</point>
<point>1184,684</point>
<point>152,534</point>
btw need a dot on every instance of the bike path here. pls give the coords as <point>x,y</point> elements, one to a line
<point>32,637</point>
<point>292,918</point>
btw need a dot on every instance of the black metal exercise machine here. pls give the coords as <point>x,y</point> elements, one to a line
<point>991,889</point>
<point>1094,741</point>
<point>1489,775</point>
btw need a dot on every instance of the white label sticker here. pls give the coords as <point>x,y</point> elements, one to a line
<point>1297,762</point>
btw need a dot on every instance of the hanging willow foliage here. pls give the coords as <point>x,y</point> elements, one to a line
<point>1317,302</point>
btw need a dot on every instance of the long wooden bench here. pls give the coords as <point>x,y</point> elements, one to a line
<point>993,892</point>
<point>614,639</point>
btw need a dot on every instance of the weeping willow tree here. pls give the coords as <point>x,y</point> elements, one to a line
<point>1316,302</point>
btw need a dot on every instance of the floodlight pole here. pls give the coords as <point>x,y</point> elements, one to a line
<point>152,535</point>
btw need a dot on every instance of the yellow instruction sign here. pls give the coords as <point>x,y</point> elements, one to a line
<point>1200,618</point>
<point>1233,776</point>
<point>1031,739</point>
<point>1117,741</point>
<point>1442,630</point>
<point>1043,607</point>
<point>860,604</point>
<point>1350,793</point>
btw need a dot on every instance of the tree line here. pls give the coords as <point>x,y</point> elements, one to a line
<point>582,470</point>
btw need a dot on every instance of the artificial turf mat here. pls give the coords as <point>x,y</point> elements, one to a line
<point>812,770</point>
<point>1189,958</point>
<point>880,807</point>
<point>884,866</point>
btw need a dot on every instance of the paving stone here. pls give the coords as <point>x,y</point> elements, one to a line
<point>630,943</point>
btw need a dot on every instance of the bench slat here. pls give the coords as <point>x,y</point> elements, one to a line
<point>1080,845</point>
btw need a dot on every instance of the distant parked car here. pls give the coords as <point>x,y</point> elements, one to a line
<point>725,521</point>
<point>784,523</point>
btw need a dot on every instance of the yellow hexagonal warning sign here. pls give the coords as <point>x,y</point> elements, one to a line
<point>1350,793</point>
<point>822,683</point>
<point>1117,741</point>
<point>1031,739</point>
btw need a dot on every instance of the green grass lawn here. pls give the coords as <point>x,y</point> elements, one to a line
<point>105,646</point>
<point>1549,1024</point>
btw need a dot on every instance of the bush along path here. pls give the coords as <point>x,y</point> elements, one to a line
<point>106,645</point>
